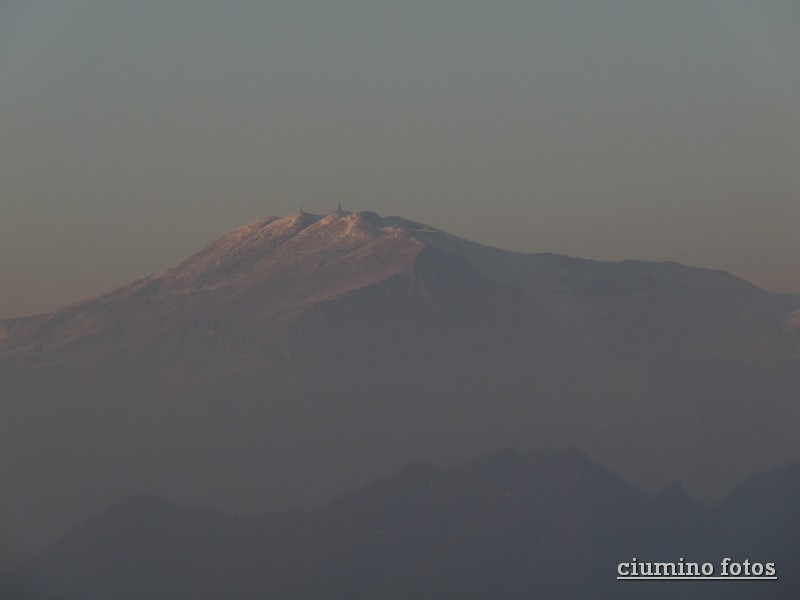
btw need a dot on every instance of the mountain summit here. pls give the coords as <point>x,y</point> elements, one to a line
<point>296,357</point>
<point>271,269</point>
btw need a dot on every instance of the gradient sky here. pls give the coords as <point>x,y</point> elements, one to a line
<point>135,132</point>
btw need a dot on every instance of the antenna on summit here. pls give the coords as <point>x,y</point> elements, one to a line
<point>302,212</point>
<point>340,207</point>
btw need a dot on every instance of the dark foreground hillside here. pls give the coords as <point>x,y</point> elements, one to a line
<point>547,525</point>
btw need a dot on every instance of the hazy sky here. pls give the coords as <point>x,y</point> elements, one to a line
<point>135,132</point>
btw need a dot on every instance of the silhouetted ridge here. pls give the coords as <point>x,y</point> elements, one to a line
<point>549,525</point>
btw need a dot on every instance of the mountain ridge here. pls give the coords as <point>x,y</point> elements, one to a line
<point>550,523</point>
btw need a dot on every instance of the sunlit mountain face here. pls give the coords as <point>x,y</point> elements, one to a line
<point>297,357</point>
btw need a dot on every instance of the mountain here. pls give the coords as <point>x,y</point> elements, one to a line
<point>549,524</point>
<point>297,357</point>
<point>242,292</point>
